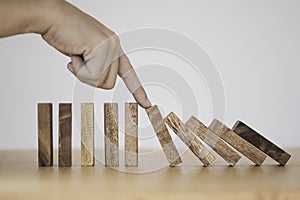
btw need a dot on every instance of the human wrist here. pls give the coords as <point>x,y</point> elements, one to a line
<point>42,16</point>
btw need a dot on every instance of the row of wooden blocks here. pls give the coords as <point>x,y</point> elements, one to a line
<point>193,133</point>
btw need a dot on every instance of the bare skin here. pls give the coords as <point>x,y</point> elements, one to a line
<point>96,55</point>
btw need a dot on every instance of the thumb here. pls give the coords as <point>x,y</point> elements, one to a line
<point>75,65</point>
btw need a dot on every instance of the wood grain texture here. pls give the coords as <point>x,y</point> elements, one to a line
<point>111,135</point>
<point>131,134</point>
<point>45,134</point>
<point>217,144</point>
<point>261,143</point>
<point>247,149</point>
<point>21,180</point>
<point>65,135</point>
<point>189,139</point>
<point>87,135</point>
<point>163,135</point>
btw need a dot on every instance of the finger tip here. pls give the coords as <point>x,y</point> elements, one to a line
<point>70,67</point>
<point>76,62</point>
<point>145,103</point>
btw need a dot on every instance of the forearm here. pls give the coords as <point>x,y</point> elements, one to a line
<point>25,16</point>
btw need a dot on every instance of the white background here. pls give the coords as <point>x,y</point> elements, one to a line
<point>254,44</point>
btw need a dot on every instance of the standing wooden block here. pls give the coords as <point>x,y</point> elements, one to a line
<point>261,143</point>
<point>163,135</point>
<point>218,145</point>
<point>189,139</point>
<point>87,134</point>
<point>45,144</point>
<point>131,134</point>
<point>65,135</point>
<point>250,151</point>
<point>111,134</point>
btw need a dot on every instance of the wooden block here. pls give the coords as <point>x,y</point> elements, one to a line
<point>218,145</point>
<point>163,135</point>
<point>111,137</point>
<point>45,133</point>
<point>247,149</point>
<point>189,139</point>
<point>261,143</point>
<point>131,134</point>
<point>65,135</point>
<point>87,134</point>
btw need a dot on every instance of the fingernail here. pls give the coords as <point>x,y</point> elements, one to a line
<point>147,103</point>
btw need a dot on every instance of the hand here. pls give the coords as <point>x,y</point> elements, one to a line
<point>95,51</point>
<point>96,55</point>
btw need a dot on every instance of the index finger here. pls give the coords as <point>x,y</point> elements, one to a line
<point>132,82</point>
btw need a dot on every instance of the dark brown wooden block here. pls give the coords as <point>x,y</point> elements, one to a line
<point>240,144</point>
<point>212,140</point>
<point>65,135</point>
<point>45,133</point>
<point>111,135</point>
<point>261,143</point>
<point>189,139</point>
<point>163,135</point>
<point>131,134</point>
<point>87,134</point>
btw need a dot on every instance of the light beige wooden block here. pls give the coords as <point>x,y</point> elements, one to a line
<point>45,134</point>
<point>131,134</point>
<point>240,144</point>
<point>189,139</point>
<point>111,137</point>
<point>212,140</point>
<point>163,135</point>
<point>87,134</point>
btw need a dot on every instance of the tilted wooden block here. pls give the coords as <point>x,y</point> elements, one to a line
<point>131,134</point>
<point>217,144</point>
<point>45,134</point>
<point>87,134</point>
<point>261,143</point>
<point>111,135</point>
<point>163,135</point>
<point>247,149</point>
<point>189,139</point>
<point>65,135</point>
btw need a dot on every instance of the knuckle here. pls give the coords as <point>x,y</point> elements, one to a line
<point>114,40</point>
<point>107,85</point>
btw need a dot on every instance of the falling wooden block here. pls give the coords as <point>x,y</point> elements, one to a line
<point>45,144</point>
<point>65,135</point>
<point>189,139</point>
<point>111,137</point>
<point>87,134</point>
<point>131,134</point>
<point>163,135</point>
<point>218,145</point>
<point>247,149</point>
<point>261,143</point>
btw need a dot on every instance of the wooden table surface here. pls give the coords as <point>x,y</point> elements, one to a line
<point>21,178</point>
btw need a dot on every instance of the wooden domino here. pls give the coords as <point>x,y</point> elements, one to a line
<point>218,136</point>
<point>87,134</point>
<point>45,142</point>
<point>163,135</point>
<point>65,135</point>
<point>111,137</point>
<point>240,144</point>
<point>131,134</point>
<point>261,143</point>
<point>189,139</point>
<point>217,144</point>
